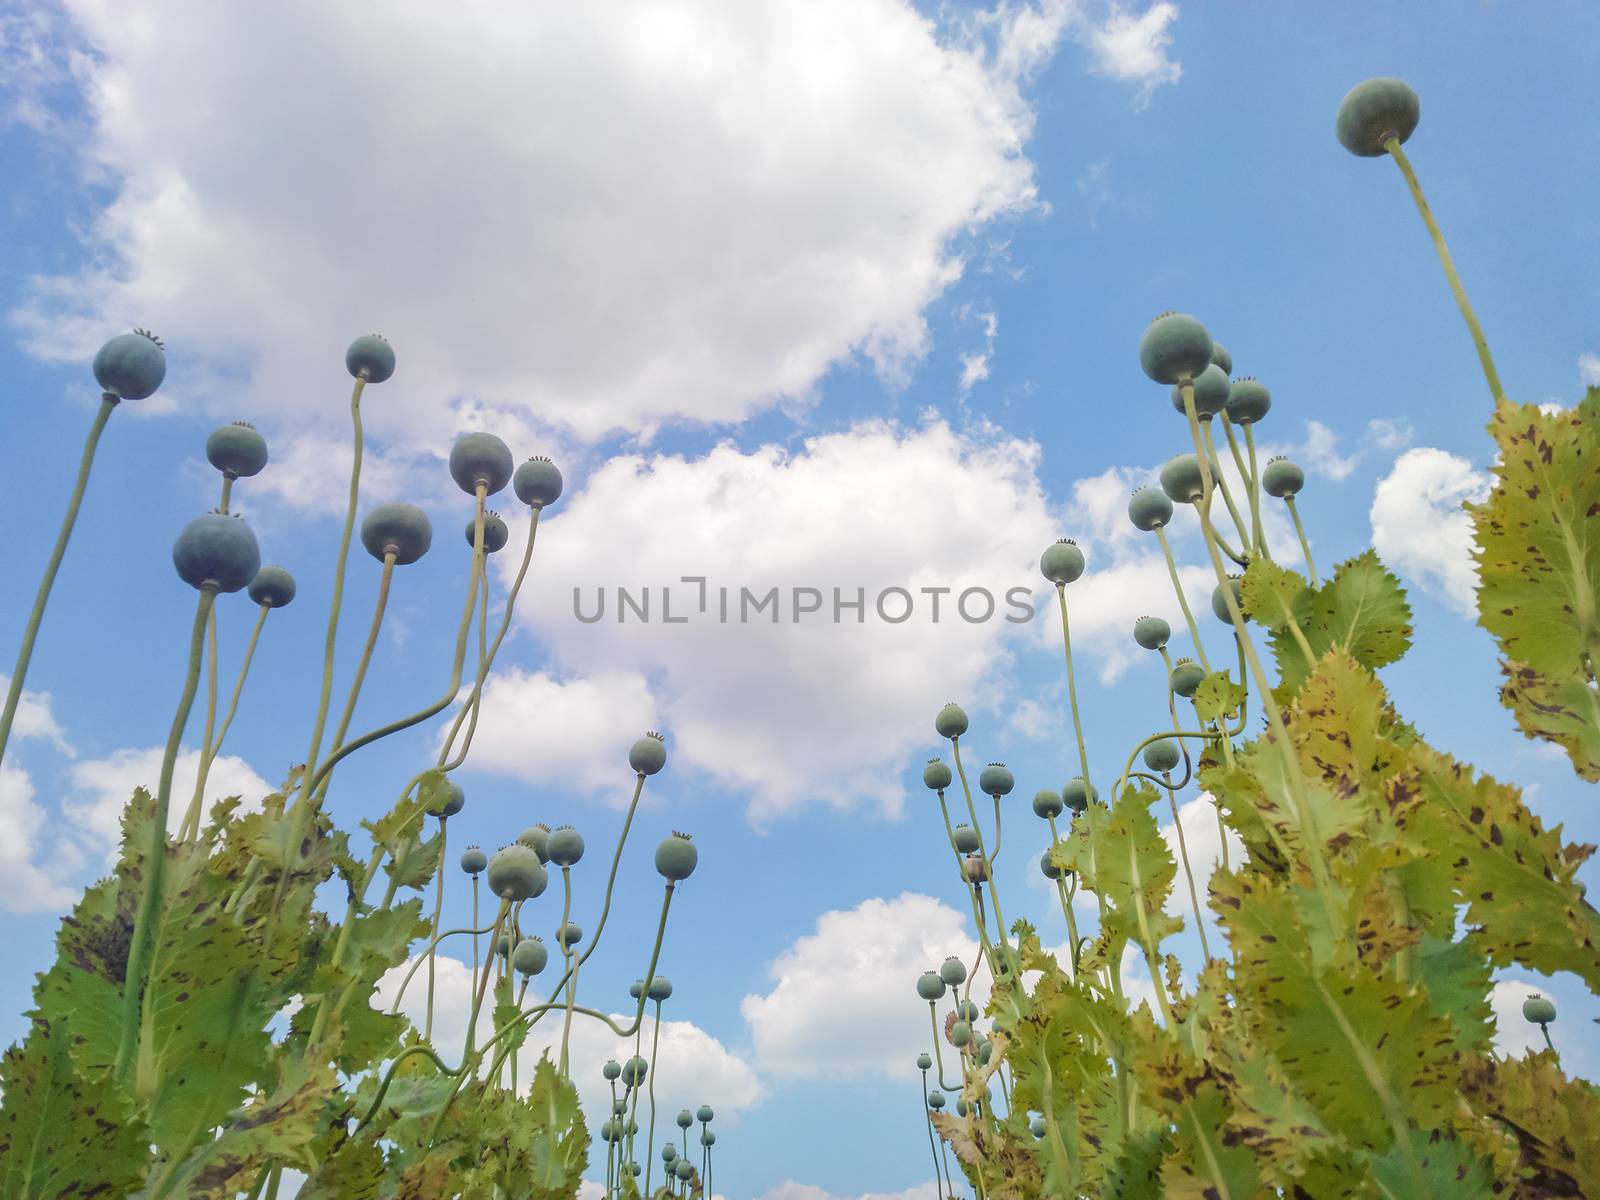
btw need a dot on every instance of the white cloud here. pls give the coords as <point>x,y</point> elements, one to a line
<point>1094,185</point>
<point>1589,369</point>
<point>605,217</point>
<point>863,961</point>
<point>1420,529</point>
<point>1135,48</point>
<point>30,887</point>
<point>1320,453</point>
<point>1203,840</point>
<point>1389,434</point>
<point>35,718</point>
<point>102,788</point>
<point>790,1190</point>
<point>538,728</point>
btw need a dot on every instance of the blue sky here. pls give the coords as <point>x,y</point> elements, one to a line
<point>827,295</point>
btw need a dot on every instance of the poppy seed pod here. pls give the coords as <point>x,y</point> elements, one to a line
<point>1282,478</point>
<point>1210,392</point>
<point>612,1069</point>
<point>996,779</point>
<point>537,482</point>
<point>676,857</point>
<point>929,986</point>
<point>1219,602</point>
<point>1186,677</point>
<point>936,1100</point>
<point>1047,804</point>
<point>1062,562</point>
<point>529,957</point>
<point>272,586</point>
<point>1051,871</point>
<point>455,800</point>
<point>1162,755</point>
<point>398,528</point>
<point>960,1033</point>
<point>634,1071</point>
<point>495,533</point>
<point>569,934</point>
<point>951,722</point>
<point>130,366</point>
<point>660,988</point>
<point>1374,111</point>
<point>682,1169</point>
<point>619,1107</point>
<point>237,450</point>
<point>1248,400</point>
<point>975,870</point>
<point>965,838</point>
<point>515,873</point>
<point>685,1118</point>
<point>708,1137</point>
<point>474,860</point>
<point>1151,632</point>
<point>649,754</point>
<point>1181,479</point>
<point>1220,356</point>
<point>636,989</point>
<point>1174,348</point>
<point>537,839</point>
<point>370,357</point>
<point>1036,1127</point>
<point>565,846</point>
<point>217,552</point>
<point>1076,794</point>
<point>967,1010</point>
<point>669,1153</point>
<point>704,1113</point>
<point>953,971</point>
<point>924,1061</point>
<point>480,460</point>
<point>1538,1010</point>
<point>1150,509</point>
<point>936,775</point>
<point>502,945</point>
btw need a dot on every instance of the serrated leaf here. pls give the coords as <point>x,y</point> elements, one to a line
<point>63,1134</point>
<point>1271,593</point>
<point>1563,711</point>
<point>1217,696</point>
<point>1362,610</point>
<point>1552,1118</point>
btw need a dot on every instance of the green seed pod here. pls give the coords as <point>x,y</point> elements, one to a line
<point>635,1169</point>
<point>537,482</point>
<point>967,1010</point>
<point>951,722</point>
<point>1036,1127</point>
<point>936,775</point>
<point>965,838</point>
<point>609,1132</point>
<point>1150,509</point>
<point>660,988</point>
<point>634,1071</point>
<point>953,971</point>
<point>1538,1010</point>
<point>272,586</point>
<point>217,552</point>
<point>1248,400</point>
<point>565,846</point>
<point>669,1153</point>
<point>985,1053</point>
<point>370,357</point>
<point>403,529</point>
<point>1181,479</point>
<point>1374,111</point>
<point>1162,755</point>
<point>936,1100</point>
<point>682,1169</point>
<point>1186,677</point>
<point>455,800</point>
<point>1062,562</point>
<point>131,366</point>
<point>237,450</point>
<point>960,1033</point>
<point>708,1137</point>
<point>1051,871</point>
<point>975,870</point>
<point>1282,478</point>
<point>619,1108</point>
<point>1174,348</point>
<point>996,779</point>
<point>1210,392</point>
<point>924,1061</point>
<point>474,860</point>
<point>929,986</point>
<point>649,754</point>
<point>1076,794</point>
<point>685,1118</point>
<point>704,1113</point>
<point>1151,632</point>
<point>502,945</point>
<point>1219,603</point>
<point>495,533</point>
<point>1047,804</point>
<point>1221,357</point>
<point>537,839</point>
<point>676,857</point>
<point>515,873</point>
<point>529,957</point>
<point>480,460</point>
<point>612,1069</point>
<point>569,934</point>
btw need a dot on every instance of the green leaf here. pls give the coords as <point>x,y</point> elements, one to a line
<point>1563,711</point>
<point>63,1134</point>
<point>1553,1118</point>
<point>1271,593</point>
<point>1217,696</point>
<point>1362,610</point>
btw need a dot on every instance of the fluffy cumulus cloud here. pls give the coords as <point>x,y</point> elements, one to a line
<point>34,876</point>
<point>1420,529</point>
<point>101,788</point>
<point>1134,47</point>
<point>1202,840</point>
<point>606,217</point>
<point>863,961</point>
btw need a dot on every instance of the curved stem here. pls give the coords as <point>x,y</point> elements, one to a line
<point>30,633</point>
<point>1479,342</point>
<point>433,934</point>
<point>1183,601</point>
<point>566,954</point>
<point>650,1136</point>
<point>1227,496</point>
<point>1072,686</point>
<point>378,611</point>
<point>1305,546</point>
<point>1183,853</point>
<point>203,767</point>
<point>133,981</point>
<point>215,748</point>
